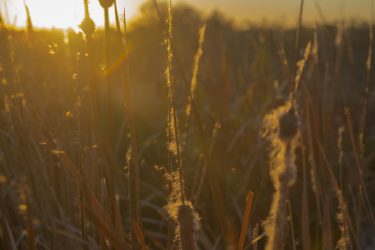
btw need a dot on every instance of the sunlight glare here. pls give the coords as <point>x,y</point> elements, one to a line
<point>63,13</point>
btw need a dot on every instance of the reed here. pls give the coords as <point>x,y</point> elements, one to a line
<point>245,220</point>
<point>194,78</point>
<point>29,22</point>
<point>188,226</point>
<point>65,133</point>
<point>133,153</point>
<point>172,128</point>
<point>281,129</point>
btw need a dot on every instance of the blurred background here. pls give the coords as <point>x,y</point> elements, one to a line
<point>68,13</point>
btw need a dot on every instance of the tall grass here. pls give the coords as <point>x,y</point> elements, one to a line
<point>88,121</point>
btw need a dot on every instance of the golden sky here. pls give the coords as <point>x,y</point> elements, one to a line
<point>58,13</point>
<point>286,11</point>
<point>68,13</point>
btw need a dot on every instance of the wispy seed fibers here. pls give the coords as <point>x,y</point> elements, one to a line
<point>281,129</point>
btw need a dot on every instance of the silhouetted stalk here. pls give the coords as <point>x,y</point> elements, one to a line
<point>134,199</point>
<point>299,30</point>
<point>255,237</point>
<point>106,140</point>
<point>245,220</point>
<point>2,24</point>
<point>86,110</point>
<point>368,86</point>
<point>355,151</point>
<point>118,26</point>
<point>125,27</point>
<point>29,22</point>
<point>105,147</point>
<point>343,216</point>
<point>305,202</point>
<point>290,219</point>
<point>107,53</point>
<point>106,4</point>
<point>364,118</point>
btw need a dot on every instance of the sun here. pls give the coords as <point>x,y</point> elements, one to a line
<point>62,13</point>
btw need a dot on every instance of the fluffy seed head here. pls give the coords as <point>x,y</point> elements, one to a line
<point>281,129</point>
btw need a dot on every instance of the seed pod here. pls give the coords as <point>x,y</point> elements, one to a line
<point>288,125</point>
<point>106,3</point>
<point>87,26</point>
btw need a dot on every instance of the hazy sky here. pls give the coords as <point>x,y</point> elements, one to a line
<point>286,11</point>
<point>62,13</point>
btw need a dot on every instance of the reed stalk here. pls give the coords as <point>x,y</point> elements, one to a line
<point>136,231</point>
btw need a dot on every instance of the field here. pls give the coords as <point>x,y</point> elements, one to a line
<point>180,130</point>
